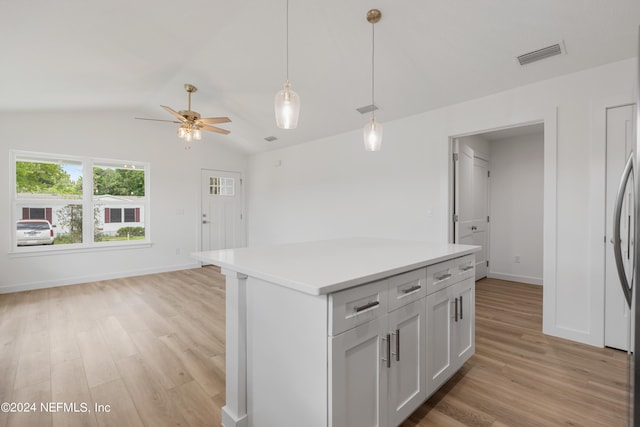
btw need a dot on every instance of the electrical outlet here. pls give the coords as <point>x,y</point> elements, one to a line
<point>516,259</point>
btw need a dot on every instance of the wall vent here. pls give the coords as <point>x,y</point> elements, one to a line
<point>540,54</point>
<point>367,109</point>
<point>270,138</point>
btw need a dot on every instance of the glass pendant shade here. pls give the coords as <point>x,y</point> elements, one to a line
<point>182,132</point>
<point>197,134</point>
<point>372,135</point>
<point>287,107</point>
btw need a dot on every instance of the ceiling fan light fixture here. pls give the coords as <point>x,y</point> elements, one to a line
<point>188,136</point>
<point>191,123</point>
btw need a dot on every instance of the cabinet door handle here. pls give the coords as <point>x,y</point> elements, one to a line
<point>387,360</point>
<point>411,289</point>
<point>360,308</point>
<point>397,345</point>
<point>456,316</point>
<point>444,276</point>
<point>460,307</point>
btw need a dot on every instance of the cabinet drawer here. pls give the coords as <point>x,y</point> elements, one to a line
<point>463,267</point>
<point>447,273</point>
<point>355,306</point>
<point>407,287</point>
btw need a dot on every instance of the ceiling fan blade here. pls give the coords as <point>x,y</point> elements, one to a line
<point>214,120</point>
<point>215,129</point>
<point>175,113</point>
<point>158,120</point>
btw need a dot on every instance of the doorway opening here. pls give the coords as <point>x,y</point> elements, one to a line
<point>497,200</point>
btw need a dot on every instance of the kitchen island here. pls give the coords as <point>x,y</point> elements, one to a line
<point>356,331</point>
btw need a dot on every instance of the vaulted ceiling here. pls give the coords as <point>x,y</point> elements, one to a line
<point>72,55</point>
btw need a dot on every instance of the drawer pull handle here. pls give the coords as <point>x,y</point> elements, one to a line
<point>360,308</point>
<point>444,276</point>
<point>467,268</point>
<point>411,289</point>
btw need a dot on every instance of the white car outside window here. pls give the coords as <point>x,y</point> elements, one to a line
<point>31,232</point>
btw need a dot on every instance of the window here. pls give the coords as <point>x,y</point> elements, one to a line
<point>221,186</point>
<point>115,215</point>
<point>59,189</point>
<point>119,190</point>
<point>130,215</point>
<point>112,215</point>
<point>37,213</point>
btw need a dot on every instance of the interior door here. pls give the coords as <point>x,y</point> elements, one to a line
<point>620,141</point>
<point>222,219</point>
<point>463,210</point>
<point>471,203</point>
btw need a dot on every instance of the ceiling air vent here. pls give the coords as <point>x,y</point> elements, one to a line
<point>367,109</point>
<point>540,54</point>
<point>270,138</point>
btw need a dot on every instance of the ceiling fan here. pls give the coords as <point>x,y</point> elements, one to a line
<point>190,121</point>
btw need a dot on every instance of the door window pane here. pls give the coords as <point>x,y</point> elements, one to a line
<point>221,186</point>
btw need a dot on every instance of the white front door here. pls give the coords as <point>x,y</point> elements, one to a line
<point>620,132</point>
<point>222,218</point>
<point>471,205</point>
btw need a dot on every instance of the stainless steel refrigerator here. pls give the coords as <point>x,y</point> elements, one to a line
<point>629,272</point>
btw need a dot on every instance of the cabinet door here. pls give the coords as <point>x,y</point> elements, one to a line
<point>438,338</point>
<point>358,376</point>
<point>463,330</point>
<point>407,376</point>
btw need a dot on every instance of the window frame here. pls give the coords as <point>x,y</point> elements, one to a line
<point>87,202</point>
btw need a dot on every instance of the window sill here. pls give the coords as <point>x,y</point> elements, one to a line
<point>27,251</point>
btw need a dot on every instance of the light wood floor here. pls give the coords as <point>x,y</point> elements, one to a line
<point>152,348</point>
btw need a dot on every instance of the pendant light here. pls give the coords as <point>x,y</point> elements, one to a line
<point>372,131</point>
<point>287,102</point>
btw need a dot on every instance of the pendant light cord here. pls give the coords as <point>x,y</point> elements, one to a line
<point>373,53</point>
<point>287,40</point>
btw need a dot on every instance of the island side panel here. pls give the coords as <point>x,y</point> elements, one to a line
<point>286,356</point>
<point>234,413</point>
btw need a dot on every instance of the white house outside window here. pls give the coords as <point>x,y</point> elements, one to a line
<point>88,202</point>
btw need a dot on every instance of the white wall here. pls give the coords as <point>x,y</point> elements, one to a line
<point>332,187</point>
<point>175,192</point>
<point>516,204</point>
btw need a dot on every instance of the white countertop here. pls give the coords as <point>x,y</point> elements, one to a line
<point>326,266</point>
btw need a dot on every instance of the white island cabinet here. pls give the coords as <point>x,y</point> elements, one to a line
<point>342,333</point>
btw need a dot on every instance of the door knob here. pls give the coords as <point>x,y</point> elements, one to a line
<point>204,221</point>
<point>473,228</point>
